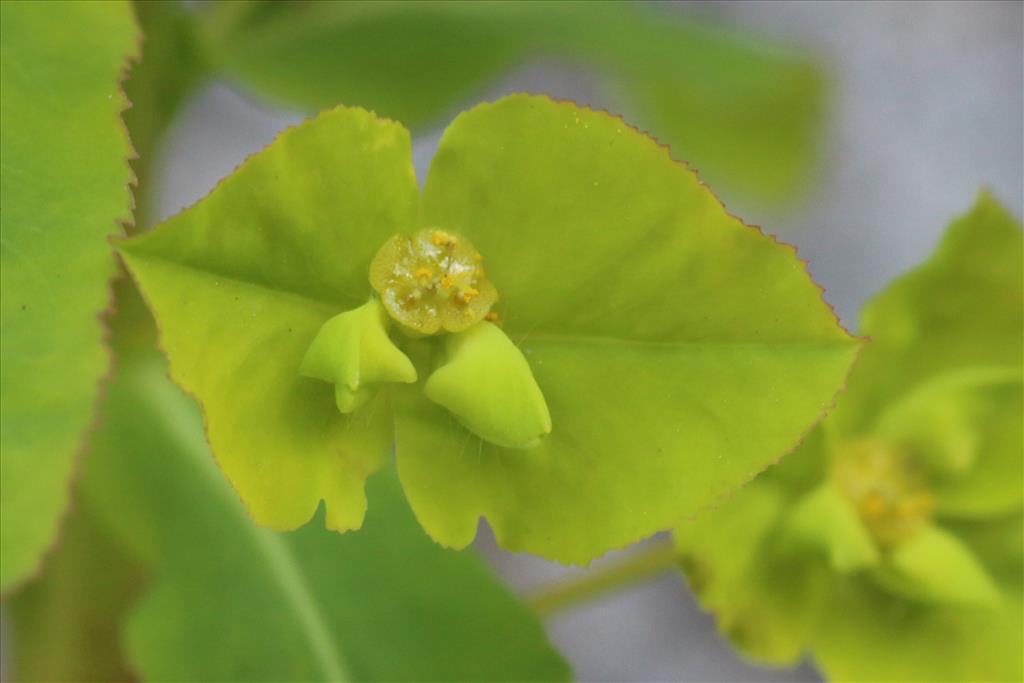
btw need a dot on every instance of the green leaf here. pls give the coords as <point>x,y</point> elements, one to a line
<point>966,424</point>
<point>743,111</point>
<point>933,566</point>
<point>962,308</point>
<point>65,190</point>
<point>241,282</point>
<point>230,601</point>
<point>65,623</point>
<point>679,351</point>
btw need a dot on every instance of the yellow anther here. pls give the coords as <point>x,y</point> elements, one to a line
<point>442,239</point>
<point>429,282</point>
<point>492,316</point>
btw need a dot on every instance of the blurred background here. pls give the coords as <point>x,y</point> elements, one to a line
<point>924,103</point>
<point>924,106</point>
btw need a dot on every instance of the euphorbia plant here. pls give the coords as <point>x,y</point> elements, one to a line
<point>888,547</point>
<point>650,351</point>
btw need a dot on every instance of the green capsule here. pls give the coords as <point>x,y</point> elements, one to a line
<point>487,384</point>
<point>353,351</point>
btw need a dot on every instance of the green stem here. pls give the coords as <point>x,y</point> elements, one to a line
<point>639,566</point>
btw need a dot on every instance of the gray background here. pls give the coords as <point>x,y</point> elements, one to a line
<point>926,108</point>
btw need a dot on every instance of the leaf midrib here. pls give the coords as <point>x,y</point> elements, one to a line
<point>542,337</point>
<point>129,256</point>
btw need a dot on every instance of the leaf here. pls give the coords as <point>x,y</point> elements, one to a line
<point>65,624</point>
<point>744,112</point>
<point>230,601</point>
<point>679,351</point>
<point>65,190</point>
<point>241,282</point>
<point>407,61</point>
<point>919,324</point>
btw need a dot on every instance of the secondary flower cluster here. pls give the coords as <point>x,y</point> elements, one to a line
<point>888,546</point>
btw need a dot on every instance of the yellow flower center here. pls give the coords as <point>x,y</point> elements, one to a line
<point>888,490</point>
<point>432,281</point>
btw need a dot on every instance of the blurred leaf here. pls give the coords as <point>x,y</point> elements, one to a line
<point>65,190</point>
<point>408,61</point>
<point>967,425</point>
<point>241,282</point>
<point>657,408</point>
<point>962,308</point>
<point>172,65</point>
<point>765,600</point>
<point>745,113</point>
<point>66,624</point>
<point>873,635</point>
<point>230,601</point>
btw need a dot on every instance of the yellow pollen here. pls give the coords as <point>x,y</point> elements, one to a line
<point>469,294</point>
<point>447,281</point>
<point>424,273</point>
<point>443,239</point>
<point>491,316</point>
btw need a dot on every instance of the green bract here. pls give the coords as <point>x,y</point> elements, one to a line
<point>65,190</point>
<point>671,351</point>
<point>889,545</point>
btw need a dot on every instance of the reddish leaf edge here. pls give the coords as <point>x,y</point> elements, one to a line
<point>124,223</point>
